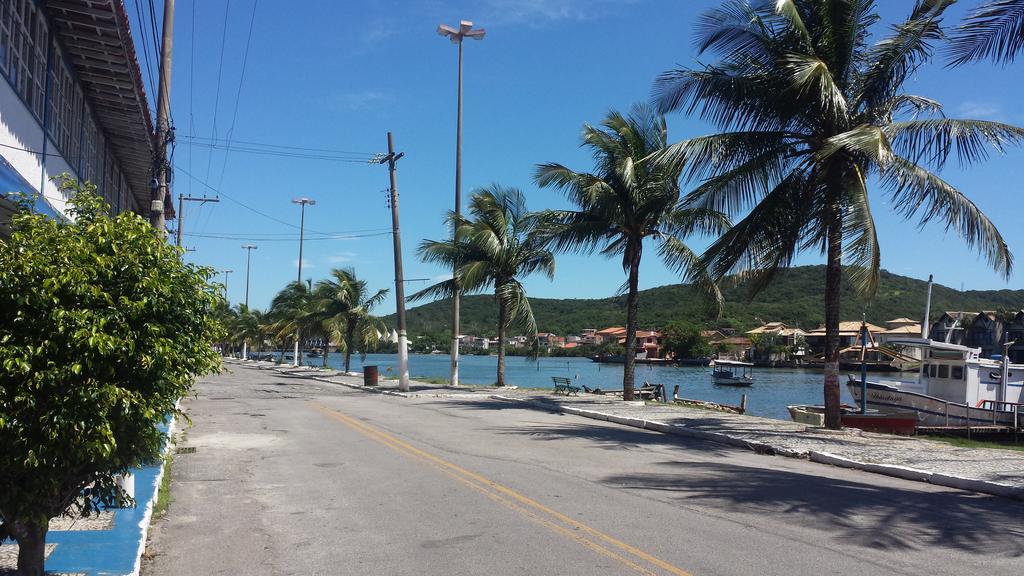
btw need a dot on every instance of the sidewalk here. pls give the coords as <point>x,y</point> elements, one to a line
<point>109,544</point>
<point>990,471</point>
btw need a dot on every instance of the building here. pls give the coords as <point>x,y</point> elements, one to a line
<point>549,340</point>
<point>849,334</point>
<point>776,341</point>
<point>588,336</point>
<point>949,327</point>
<point>475,342</point>
<point>72,100</point>
<point>615,334</point>
<point>732,348</point>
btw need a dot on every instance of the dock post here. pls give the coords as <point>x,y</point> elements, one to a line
<point>743,404</point>
<point>968,421</point>
<point>675,392</point>
<point>947,414</point>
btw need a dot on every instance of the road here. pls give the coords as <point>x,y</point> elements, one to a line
<point>291,476</point>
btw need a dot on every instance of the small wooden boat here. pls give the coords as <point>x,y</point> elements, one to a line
<point>904,423</point>
<point>731,373</point>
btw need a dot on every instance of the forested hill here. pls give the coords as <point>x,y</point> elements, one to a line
<point>794,297</point>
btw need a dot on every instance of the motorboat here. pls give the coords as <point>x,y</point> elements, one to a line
<point>731,373</point>
<point>904,422</point>
<point>955,387</point>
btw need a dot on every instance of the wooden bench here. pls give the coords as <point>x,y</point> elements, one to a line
<point>563,384</point>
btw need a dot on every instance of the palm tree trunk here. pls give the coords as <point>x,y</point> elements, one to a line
<point>502,320</point>
<point>327,350</point>
<point>833,278</point>
<point>349,335</point>
<point>633,252</point>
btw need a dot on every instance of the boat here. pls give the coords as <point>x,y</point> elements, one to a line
<point>904,423</point>
<point>955,387</point>
<point>731,373</point>
<point>621,359</point>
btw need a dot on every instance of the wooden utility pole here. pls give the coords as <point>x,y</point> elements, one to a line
<point>161,169</point>
<point>403,344</point>
<point>181,212</point>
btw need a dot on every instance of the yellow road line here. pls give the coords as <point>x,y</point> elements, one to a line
<point>512,499</point>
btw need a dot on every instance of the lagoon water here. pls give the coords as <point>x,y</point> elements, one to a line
<point>772,391</point>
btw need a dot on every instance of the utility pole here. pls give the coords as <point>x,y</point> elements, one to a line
<point>161,167</point>
<point>456,36</point>
<point>302,202</point>
<point>226,272</point>
<point>248,259</point>
<point>403,345</point>
<point>181,212</point>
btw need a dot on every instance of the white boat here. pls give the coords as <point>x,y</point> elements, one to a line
<point>731,373</point>
<point>955,387</point>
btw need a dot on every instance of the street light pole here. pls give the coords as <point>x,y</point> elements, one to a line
<point>456,36</point>
<point>302,202</point>
<point>226,272</point>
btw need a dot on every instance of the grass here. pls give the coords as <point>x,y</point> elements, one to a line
<point>965,443</point>
<point>163,495</point>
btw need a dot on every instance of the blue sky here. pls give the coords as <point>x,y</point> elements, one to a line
<point>339,75</point>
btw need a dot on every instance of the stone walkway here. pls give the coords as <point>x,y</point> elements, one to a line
<point>991,471</point>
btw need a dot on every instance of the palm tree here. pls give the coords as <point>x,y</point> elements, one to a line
<point>494,248</point>
<point>627,199</point>
<point>995,29</point>
<point>294,314</point>
<point>247,327</point>
<point>342,308</point>
<point>810,114</point>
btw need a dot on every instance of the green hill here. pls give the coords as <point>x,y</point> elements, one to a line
<point>795,297</point>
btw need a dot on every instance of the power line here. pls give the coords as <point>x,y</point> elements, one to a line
<point>139,14</point>
<point>285,146</point>
<point>293,236</point>
<point>265,239</point>
<point>191,84</point>
<point>220,74</point>
<point>238,94</point>
<point>239,202</point>
<point>282,154</point>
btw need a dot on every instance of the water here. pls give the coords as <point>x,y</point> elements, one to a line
<point>773,388</point>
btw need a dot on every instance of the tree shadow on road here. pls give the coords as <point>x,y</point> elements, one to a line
<point>859,513</point>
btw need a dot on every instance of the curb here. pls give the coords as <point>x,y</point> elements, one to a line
<point>903,472</point>
<point>326,381</point>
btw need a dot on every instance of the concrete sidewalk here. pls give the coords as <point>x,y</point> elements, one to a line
<point>990,471</point>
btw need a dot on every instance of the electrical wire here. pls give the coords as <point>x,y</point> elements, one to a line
<point>265,239</point>
<point>139,15</point>
<point>238,93</point>
<point>284,146</point>
<point>240,203</point>
<point>220,74</point>
<point>248,150</point>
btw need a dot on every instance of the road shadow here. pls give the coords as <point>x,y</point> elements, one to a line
<point>858,513</point>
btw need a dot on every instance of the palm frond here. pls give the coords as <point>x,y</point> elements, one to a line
<point>994,30</point>
<point>931,140</point>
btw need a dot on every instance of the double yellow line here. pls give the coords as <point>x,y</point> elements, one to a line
<point>595,540</point>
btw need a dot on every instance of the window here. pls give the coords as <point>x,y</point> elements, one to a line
<point>943,371</point>
<point>958,372</point>
<point>24,39</point>
<point>931,370</point>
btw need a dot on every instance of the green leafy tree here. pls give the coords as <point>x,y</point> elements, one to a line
<point>685,340</point>
<point>812,114</point>
<point>102,329</point>
<point>494,248</point>
<point>994,30</point>
<point>342,305</point>
<point>626,200</point>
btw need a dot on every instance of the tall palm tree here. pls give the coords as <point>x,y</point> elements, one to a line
<point>343,303</point>
<point>247,326</point>
<point>811,115</point>
<point>294,311</point>
<point>995,30</point>
<point>494,248</point>
<point>627,199</point>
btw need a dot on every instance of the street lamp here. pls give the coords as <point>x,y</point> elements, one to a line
<point>225,273</point>
<point>248,260</point>
<point>302,226</point>
<point>465,31</point>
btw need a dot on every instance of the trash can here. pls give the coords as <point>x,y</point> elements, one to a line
<point>369,375</point>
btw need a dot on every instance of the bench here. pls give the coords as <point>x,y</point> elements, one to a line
<point>563,384</point>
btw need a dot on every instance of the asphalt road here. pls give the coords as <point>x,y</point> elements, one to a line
<point>297,477</point>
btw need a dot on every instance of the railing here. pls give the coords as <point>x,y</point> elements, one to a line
<point>997,406</point>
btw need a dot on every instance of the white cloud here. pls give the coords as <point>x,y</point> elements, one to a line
<point>541,12</point>
<point>979,110</point>
<point>341,257</point>
<point>364,99</point>
<point>305,264</point>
